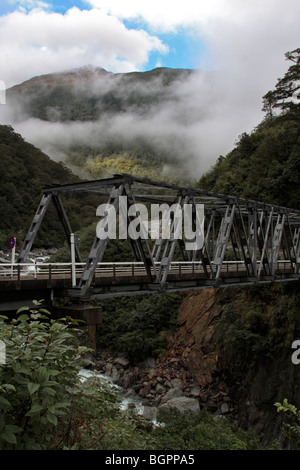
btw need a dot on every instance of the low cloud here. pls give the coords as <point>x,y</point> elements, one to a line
<point>189,120</point>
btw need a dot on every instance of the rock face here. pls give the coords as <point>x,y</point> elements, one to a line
<point>184,378</point>
<point>192,376</point>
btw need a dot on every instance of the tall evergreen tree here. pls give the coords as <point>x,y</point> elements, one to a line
<point>286,95</point>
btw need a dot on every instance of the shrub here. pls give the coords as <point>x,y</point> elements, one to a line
<point>43,403</point>
<point>134,326</point>
<point>38,379</point>
<point>291,424</point>
<point>201,432</point>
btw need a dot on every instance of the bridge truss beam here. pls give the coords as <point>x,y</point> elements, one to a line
<point>251,232</point>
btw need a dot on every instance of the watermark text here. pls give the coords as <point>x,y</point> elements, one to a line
<point>2,352</point>
<point>177,222</point>
<point>296,354</point>
<point>2,92</point>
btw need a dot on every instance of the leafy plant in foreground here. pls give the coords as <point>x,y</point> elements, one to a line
<point>38,379</point>
<point>290,428</point>
<point>43,402</point>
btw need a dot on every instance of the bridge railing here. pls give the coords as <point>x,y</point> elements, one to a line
<point>9,271</point>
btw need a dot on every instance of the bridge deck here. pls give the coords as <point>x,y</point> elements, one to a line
<point>263,239</point>
<point>115,279</point>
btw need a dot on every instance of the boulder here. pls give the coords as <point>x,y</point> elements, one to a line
<point>172,393</point>
<point>108,369</point>
<point>224,408</point>
<point>122,361</point>
<point>115,375</point>
<point>128,379</point>
<point>181,404</point>
<point>195,391</point>
<point>160,389</point>
<point>150,412</point>
<point>176,383</point>
<point>130,393</point>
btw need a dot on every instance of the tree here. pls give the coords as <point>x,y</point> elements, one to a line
<point>287,90</point>
<point>290,428</point>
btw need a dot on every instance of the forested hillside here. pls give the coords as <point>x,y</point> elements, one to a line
<point>105,123</point>
<point>265,165</point>
<point>24,170</point>
<point>88,93</point>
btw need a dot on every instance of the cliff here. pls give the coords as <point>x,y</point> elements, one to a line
<point>236,345</point>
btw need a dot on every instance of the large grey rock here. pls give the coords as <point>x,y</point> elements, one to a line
<point>150,412</point>
<point>176,383</point>
<point>115,375</point>
<point>128,379</point>
<point>108,369</point>
<point>224,408</point>
<point>195,391</point>
<point>122,361</point>
<point>182,404</point>
<point>172,393</point>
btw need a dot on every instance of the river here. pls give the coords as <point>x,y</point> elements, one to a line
<point>149,412</point>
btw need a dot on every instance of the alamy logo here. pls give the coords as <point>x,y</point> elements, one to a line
<point>2,92</point>
<point>185,222</point>
<point>296,354</point>
<point>2,352</point>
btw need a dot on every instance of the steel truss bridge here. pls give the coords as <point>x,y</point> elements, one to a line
<point>245,242</point>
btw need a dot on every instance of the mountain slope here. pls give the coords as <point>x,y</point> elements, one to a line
<point>24,169</point>
<point>87,93</point>
<point>264,165</point>
<point>100,123</point>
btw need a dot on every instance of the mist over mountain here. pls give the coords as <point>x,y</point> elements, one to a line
<point>167,123</point>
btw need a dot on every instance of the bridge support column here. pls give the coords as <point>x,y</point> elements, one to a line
<point>92,316</point>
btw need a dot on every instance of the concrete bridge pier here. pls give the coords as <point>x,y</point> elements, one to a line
<point>89,314</point>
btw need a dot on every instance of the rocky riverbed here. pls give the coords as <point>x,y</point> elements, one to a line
<point>161,384</point>
<point>187,376</point>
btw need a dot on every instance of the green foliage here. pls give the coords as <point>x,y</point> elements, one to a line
<point>201,432</point>
<point>39,378</point>
<point>256,321</point>
<point>291,424</point>
<point>286,88</point>
<point>44,405</point>
<point>132,161</point>
<point>24,171</point>
<point>136,157</point>
<point>273,146</point>
<point>95,422</point>
<point>116,250</point>
<point>135,325</point>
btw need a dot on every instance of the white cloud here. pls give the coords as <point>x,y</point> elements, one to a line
<point>246,42</point>
<point>164,15</point>
<point>43,42</point>
<point>171,14</point>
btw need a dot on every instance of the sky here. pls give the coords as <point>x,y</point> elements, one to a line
<point>44,36</point>
<point>243,41</point>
